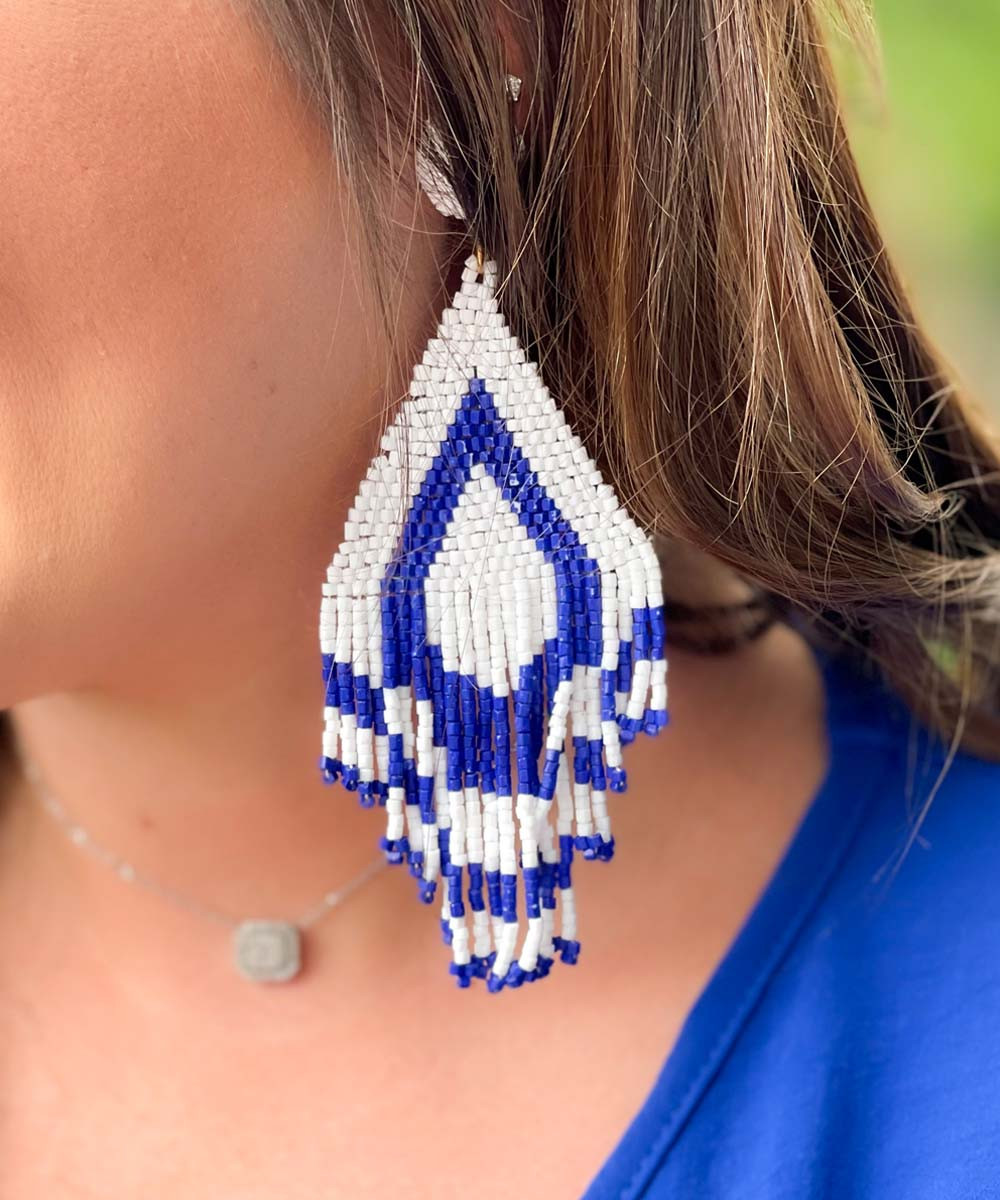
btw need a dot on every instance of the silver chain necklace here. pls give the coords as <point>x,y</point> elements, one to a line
<point>264,950</point>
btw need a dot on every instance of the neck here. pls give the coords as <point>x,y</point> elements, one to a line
<point>201,772</point>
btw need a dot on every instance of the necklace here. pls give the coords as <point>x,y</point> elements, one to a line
<point>264,950</point>
<point>270,951</point>
<point>753,617</point>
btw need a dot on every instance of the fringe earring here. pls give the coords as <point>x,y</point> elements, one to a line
<point>492,633</point>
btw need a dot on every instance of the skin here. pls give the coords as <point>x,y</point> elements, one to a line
<point>193,383</point>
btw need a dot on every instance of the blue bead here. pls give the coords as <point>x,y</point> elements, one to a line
<point>598,780</point>
<point>544,966</point>
<point>515,975</point>
<point>531,905</point>
<point>463,973</point>
<point>476,887</point>
<point>331,770</point>
<point>479,966</point>
<point>568,950</point>
<point>617,779</point>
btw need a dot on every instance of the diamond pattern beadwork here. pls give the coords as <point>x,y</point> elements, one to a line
<point>492,634</point>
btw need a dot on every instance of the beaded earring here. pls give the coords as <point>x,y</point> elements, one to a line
<point>492,633</point>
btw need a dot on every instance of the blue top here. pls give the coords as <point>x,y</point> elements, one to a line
<point>848,1045</point>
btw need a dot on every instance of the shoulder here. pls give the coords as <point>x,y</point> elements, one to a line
<point>925,865</point>
<point>928,832</point>
<point>848,1046</point>
<point>874,1042</point>
<point>908,925</point>
<point>887,1000</point>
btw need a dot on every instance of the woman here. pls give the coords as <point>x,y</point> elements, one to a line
<point>218,273</point>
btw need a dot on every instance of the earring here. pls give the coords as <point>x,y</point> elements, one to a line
<point>492,633</point>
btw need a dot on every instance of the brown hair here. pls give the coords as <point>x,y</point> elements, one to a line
<point>688,251</point>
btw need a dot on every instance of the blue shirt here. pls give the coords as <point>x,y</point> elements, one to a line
<point>848,1045</point>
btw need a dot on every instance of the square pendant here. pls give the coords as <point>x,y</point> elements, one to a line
<point>267,951</point>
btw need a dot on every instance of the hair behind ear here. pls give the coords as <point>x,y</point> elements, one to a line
<point>688,252</point>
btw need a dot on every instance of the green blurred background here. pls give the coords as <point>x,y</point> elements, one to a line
<point>928,145</point>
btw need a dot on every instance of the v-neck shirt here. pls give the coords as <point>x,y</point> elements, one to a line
<point>848,1043</point>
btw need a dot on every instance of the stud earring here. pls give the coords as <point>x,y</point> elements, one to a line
<point>513,85</point>
<point>492,634</point>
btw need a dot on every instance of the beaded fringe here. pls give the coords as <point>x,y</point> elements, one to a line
<point>492,634</point>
